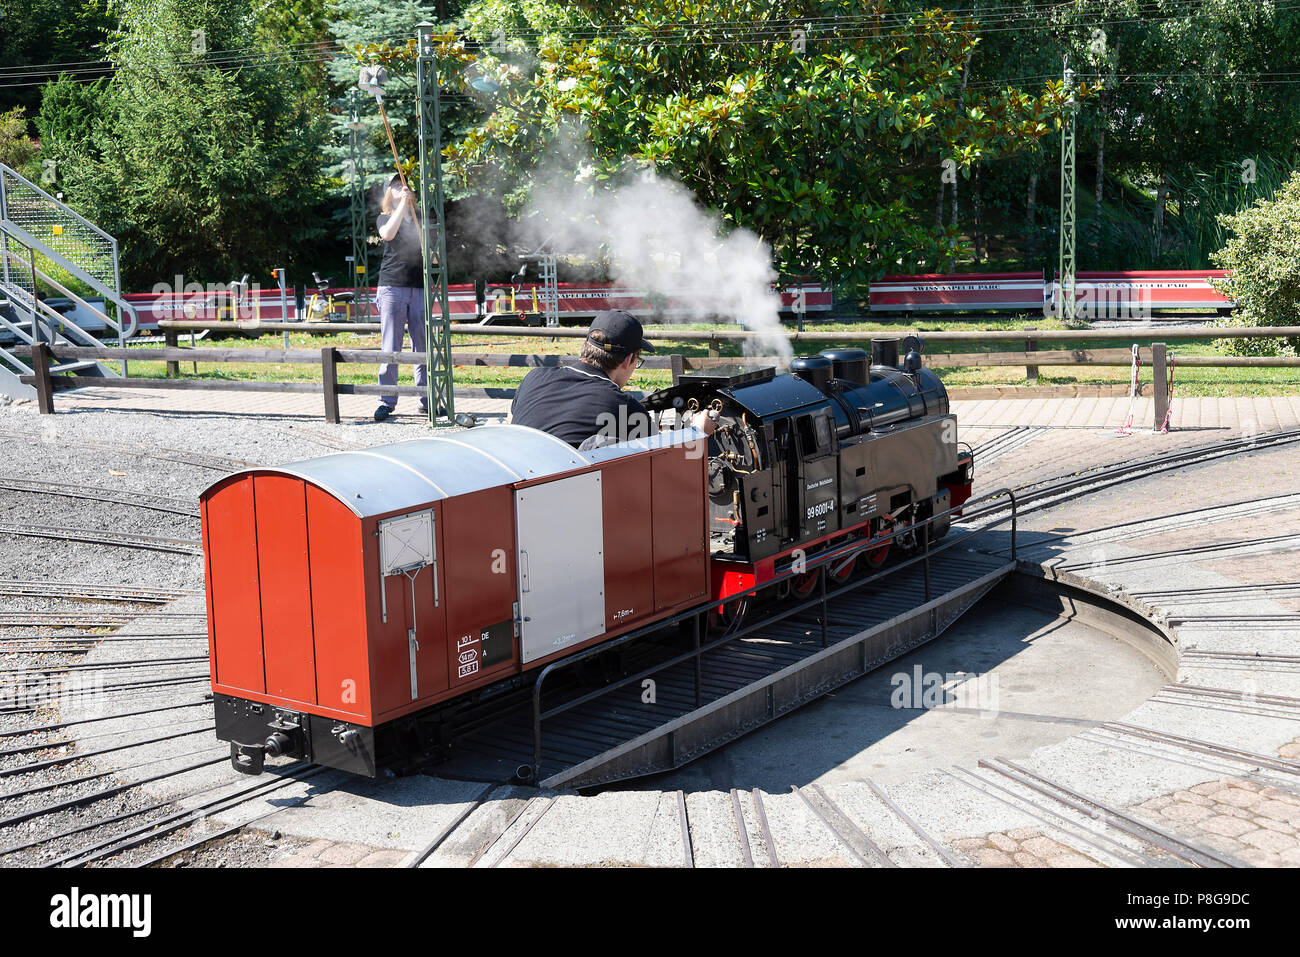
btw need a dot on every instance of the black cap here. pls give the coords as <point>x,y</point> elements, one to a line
<point>622,332</point>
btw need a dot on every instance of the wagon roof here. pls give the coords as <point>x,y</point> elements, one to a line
<point>403,475</point>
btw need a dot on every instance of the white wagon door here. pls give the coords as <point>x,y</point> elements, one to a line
<point>561,564</point>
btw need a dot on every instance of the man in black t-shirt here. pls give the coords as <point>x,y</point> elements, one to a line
<point>585,404</point>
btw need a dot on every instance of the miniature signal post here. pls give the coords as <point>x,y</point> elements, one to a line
<point>436,309</point>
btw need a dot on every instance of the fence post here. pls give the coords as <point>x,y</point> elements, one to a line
<point>173,341</point>
<point>41,371</point>
<point>1031,345</point>
<point>678,366</point>
<point>1159,384</point>
<point>714,351</point>
<point>329,383</point>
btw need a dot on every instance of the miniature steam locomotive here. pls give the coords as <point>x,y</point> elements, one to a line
<point>357,602</point>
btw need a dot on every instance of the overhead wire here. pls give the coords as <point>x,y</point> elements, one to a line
<point>982,21</point>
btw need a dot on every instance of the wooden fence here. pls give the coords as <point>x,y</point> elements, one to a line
<point>329,359</point>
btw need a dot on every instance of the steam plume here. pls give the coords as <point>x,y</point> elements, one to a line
<point>659,239</point>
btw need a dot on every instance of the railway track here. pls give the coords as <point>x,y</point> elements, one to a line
<point>92,591</point>
<point>1070,829</point>
<point>134,830</point>
<point>861,849</point>
<point>1159,838</point>
<point>1009,441</point>
<point>1172,522</point>
<point>147,500</point>
<point>177,546</point>
<point>217,463</point>
<point>1040,495</point>
<point>1251,760</point>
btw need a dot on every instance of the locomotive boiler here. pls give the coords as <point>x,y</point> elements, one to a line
<point>357,603</point>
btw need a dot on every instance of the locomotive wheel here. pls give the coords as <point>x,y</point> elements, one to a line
<point>801,586</point>
<point>846,568</point>
<point>729,616</point>
<point>874,558</point>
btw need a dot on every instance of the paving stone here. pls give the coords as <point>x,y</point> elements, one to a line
<point>297,860</point>
<point>991,857</point>
<point>1273,825</point>
<point>1239,797</point>
<point>344,854</point>
<point>1209,787</point>
<point>1267,840</point>
<point>1227,826</point>
<point>1042,846</point>
<point>1291,856</point>
<point>1070,859</point>
<point>382,859</point>
<point>1190,797</point>
<point>1182,811</point>
<point>1279,810</point>
<point>1004,843</point>
<point>1233,811</point>
<point>1291,750</point>
<point>1276,794</point>
<point>1027,860</point>
<point>1259,858</point>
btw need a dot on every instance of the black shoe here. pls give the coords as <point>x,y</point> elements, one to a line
<point>424,409</point>
<point>382,412</point>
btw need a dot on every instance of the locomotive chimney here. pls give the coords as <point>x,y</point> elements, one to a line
<point>884,352</point>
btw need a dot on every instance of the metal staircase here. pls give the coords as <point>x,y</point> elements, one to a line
<point>46,245</point>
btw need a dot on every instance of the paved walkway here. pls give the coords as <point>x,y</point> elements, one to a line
<point>1258,414</point>
<point>299,405</point>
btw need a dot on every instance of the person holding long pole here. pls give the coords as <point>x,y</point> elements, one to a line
<point>400,296</point>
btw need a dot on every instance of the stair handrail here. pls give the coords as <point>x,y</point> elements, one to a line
<point>8,223</point>
<point>13,230</point>
<point>67,325</point>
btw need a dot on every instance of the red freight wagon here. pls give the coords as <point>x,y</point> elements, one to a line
<point>348,593</point>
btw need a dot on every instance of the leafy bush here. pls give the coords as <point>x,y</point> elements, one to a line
<point>17,150</point>
<point>1263,253</point>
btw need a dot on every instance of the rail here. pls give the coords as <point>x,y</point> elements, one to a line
<point>699,650</point>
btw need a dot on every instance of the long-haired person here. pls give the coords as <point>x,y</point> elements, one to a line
<point>400,296</point>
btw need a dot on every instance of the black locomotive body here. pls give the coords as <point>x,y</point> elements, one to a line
<point>834,455</point>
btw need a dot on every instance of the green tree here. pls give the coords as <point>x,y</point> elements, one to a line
<point>67,125</point>
<point>827,141</point>
<point>202,165</point>
<point>1263,254</point>
<point>17,149</point>
<point>1190,89</point>
<point>38,32</point>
